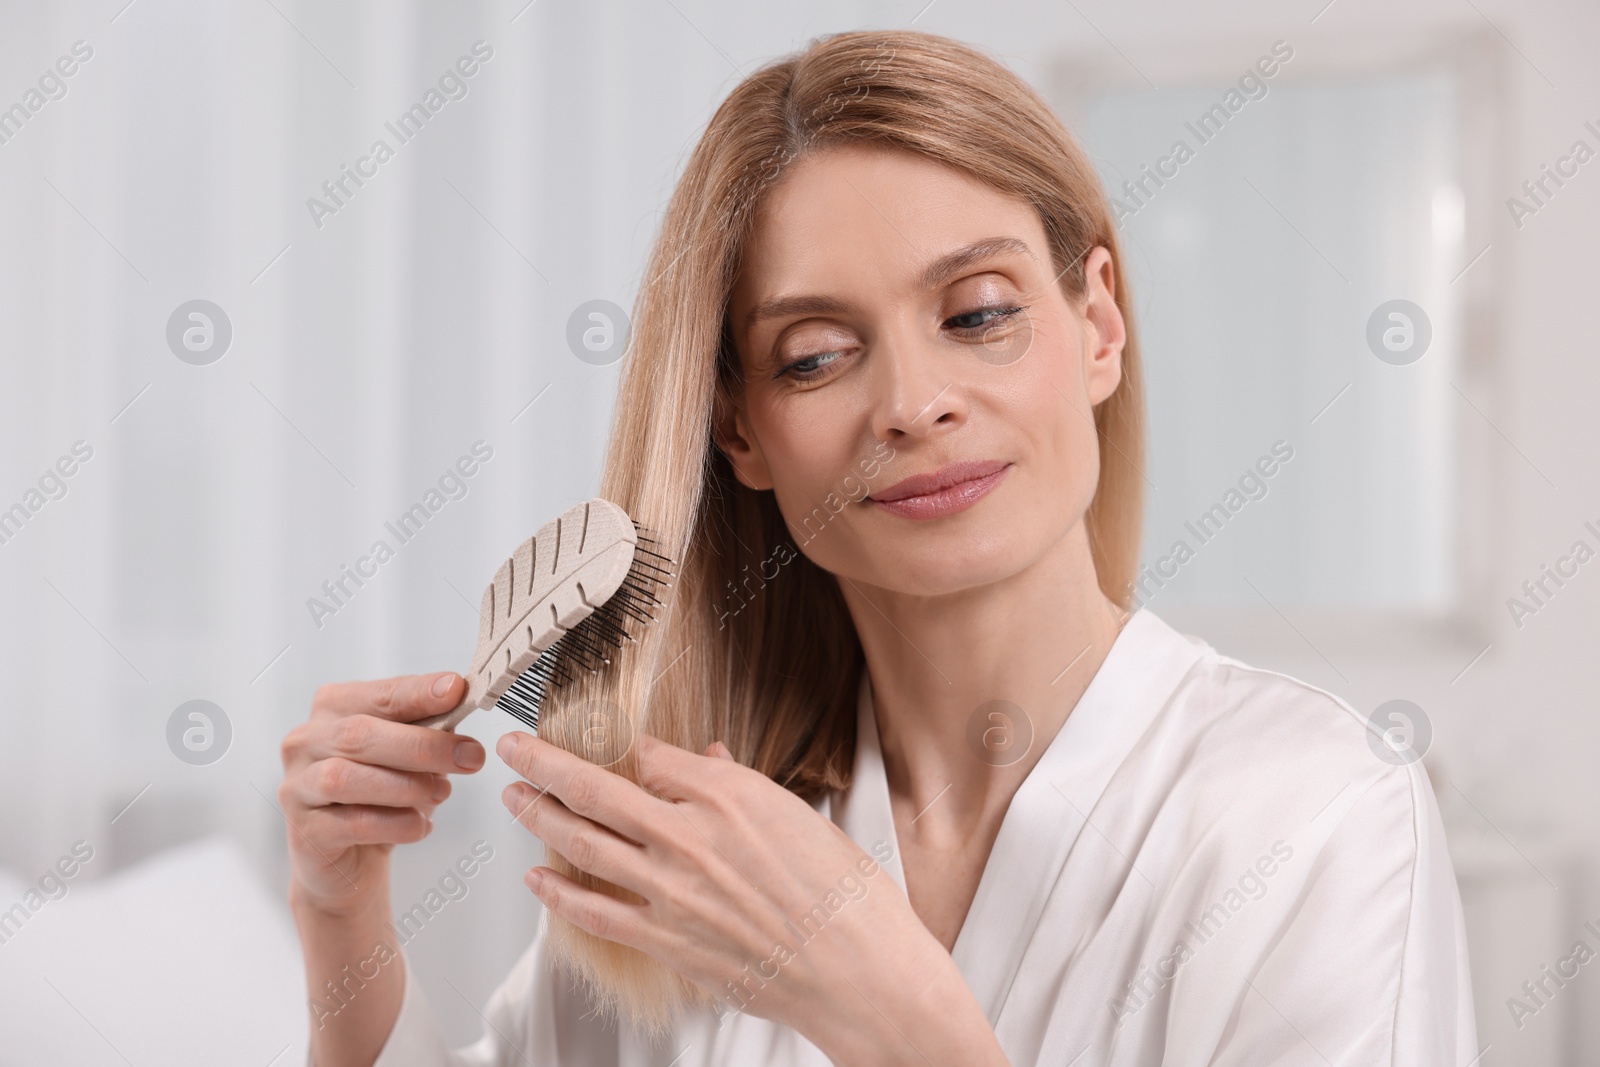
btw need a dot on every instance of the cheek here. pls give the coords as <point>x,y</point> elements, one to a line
<point>1047,404</point>
<point>810,442</point>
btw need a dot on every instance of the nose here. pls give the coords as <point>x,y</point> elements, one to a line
<point>914,393</point>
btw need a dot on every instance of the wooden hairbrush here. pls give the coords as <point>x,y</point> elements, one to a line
<point>569,596</point>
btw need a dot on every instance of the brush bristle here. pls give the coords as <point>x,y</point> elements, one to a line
<point>588,646</point>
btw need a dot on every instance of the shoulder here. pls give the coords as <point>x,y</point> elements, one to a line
<point>1266,722</point>
<point>1235,702</point>
<point>1251,747</point>
<point>1290,821</point>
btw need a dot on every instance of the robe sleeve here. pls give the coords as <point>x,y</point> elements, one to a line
<point>1369,963</point>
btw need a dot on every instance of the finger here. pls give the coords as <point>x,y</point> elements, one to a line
<point>589,847</point>
<point>404,699</point>
<point>337,780</point>
<point>339,826</point>
<point>599,914</point>
<point>381,743</point>
<point>593,792</point>
<point>673,772</point>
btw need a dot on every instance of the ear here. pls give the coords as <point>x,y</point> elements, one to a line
<point>731,431</point>
<point>1107,332</point>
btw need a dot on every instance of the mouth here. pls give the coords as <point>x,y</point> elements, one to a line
<point>946,491</point>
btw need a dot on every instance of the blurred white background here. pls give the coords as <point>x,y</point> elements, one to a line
<point>372,347</point>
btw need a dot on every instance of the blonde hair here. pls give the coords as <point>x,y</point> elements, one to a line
<point>776,680</point>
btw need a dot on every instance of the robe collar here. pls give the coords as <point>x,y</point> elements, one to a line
<point>1050,808</point>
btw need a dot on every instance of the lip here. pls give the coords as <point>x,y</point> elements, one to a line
<point>946,491</point>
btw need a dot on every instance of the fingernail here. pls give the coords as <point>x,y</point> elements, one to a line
<point>442,684</point>
<point>506,746</point>
<point>441,788</point>
<point>427,824</point>
<point>469,755</point>
<point>535,879</point>
<point>511,796</point>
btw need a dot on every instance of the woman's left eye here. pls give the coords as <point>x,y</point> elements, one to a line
<point>982,318</point>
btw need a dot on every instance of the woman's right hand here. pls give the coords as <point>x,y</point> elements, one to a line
<point>360,777</point>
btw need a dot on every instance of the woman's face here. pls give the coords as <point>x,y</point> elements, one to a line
<point>897,320</point>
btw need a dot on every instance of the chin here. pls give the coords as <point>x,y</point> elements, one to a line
<point>938,560</point>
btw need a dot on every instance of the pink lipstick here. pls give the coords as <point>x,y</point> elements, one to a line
<point>946,491</point>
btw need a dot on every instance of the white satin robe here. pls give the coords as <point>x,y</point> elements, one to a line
<point>1208,865</point>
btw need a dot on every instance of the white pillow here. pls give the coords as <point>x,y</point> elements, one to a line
<point>183,959</point>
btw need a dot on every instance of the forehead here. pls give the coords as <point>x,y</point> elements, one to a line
<point>850,216</point>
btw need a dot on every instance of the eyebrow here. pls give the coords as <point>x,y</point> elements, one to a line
<point>933,275</point>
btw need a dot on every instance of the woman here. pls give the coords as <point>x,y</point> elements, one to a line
<point>956,804</point>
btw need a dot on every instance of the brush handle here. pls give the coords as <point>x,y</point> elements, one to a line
<point>449,719</point>
<point>554,580</point>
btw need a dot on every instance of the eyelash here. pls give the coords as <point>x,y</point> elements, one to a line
<point>1001,314</point>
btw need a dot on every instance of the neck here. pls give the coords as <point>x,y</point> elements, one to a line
<point>1033,640</point>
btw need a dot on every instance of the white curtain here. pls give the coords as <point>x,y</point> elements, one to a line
<point>368,354</point>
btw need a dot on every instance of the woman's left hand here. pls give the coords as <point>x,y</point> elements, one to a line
<point>748,891</point>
